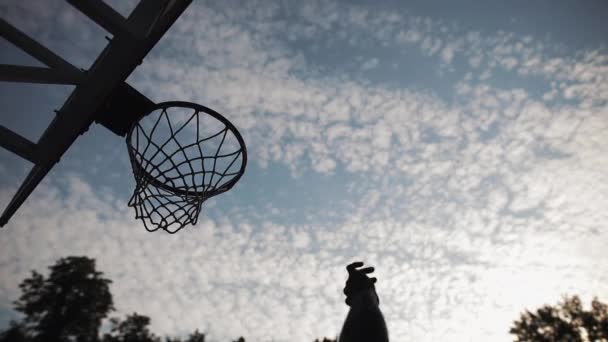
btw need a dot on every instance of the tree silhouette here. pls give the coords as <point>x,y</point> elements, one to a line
<point>566,322</point>
<point>133,329</point>
<point>15,333</point>
<point>196,337</point>
<point>68,305</point>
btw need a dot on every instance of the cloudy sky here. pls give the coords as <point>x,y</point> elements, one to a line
<point>459,148</point>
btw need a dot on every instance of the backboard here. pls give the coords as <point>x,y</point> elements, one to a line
<point>100,95</point>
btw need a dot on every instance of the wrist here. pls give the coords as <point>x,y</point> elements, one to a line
<point>365,298</point>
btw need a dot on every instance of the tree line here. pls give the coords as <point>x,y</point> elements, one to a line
<point>71,303</point>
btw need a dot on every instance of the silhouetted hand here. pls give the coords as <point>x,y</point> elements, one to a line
<point>358,281</point>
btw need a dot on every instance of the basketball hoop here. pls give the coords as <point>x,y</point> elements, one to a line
<point>182,154</point>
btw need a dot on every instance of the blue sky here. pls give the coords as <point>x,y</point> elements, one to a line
<point>459,148</point>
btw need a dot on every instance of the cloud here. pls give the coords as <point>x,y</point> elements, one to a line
<point>369,64</point>
<point>473,206</point>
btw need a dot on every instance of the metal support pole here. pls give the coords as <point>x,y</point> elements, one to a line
<point>17,144</point>
<point>32,180</point>
<point>105,16</point>
<point>28,74</point>
<point>36,50</point>
<point>115,63</point>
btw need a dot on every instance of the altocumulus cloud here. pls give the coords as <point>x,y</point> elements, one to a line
<point>473,206</point>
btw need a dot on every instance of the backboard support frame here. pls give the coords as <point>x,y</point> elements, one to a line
<point>132,40</point>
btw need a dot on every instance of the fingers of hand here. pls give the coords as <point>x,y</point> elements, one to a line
<point>352,267</point>
<point>366,270</point>
<point>358,278</point>
<point>353,271</point>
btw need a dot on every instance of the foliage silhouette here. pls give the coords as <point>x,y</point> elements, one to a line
<point>133,329</point>
<point>14,333</point>
<point>67,305</point>
<point>196,337</point>
<point>70,305</point>
<point>567,321</point>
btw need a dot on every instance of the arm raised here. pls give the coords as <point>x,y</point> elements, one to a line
<point>364,322</point>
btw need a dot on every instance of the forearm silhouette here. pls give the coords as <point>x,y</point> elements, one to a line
<point>364,322</point>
